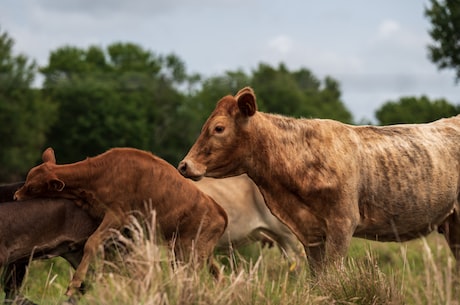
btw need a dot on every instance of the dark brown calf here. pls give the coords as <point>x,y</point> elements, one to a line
<point>330,181</point>
<point>40,228</point>
<point>121,181</point>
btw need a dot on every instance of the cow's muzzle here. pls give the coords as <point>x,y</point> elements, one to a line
<point>189,169</point>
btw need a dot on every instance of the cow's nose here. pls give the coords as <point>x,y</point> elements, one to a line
<point>182,168</point>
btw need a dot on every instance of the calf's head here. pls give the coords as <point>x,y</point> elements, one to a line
<point>224,140</point>
<point>41,180</point>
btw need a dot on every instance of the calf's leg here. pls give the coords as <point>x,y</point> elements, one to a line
<point>12,278</point>
<point>111,220</point>
<point>197,243</point>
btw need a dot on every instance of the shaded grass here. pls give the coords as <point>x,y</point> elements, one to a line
<point>417,272</point>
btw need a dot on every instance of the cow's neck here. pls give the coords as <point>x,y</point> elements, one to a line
<point>277,150</point>
<point>297,153</point>
<point>284,154</point>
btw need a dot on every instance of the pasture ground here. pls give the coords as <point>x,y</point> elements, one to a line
<point>416,272</point>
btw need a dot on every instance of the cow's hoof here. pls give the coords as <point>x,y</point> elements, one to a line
<point>71,301</point>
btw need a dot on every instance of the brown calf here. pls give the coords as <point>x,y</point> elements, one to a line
<point>119,182</point>
<point>330,181</point>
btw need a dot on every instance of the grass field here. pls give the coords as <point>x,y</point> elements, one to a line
<point>416,272</point>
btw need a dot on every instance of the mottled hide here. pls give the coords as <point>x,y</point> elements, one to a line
<point>120,182</point>
<point>330,181</point>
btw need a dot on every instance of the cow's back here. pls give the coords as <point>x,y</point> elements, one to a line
<point>58,226</point>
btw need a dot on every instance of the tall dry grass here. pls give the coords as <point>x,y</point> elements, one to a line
<point>420,272</point>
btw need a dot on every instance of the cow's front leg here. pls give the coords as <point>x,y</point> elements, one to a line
<point>316,255</point>
<point>331,250</point>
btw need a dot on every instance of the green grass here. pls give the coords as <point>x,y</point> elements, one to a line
<point>416,272</point>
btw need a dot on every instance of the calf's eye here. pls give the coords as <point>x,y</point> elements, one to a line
<point>219,129</point>
<point>32,189</point>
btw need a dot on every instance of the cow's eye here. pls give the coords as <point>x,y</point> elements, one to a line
<point>219,129</point>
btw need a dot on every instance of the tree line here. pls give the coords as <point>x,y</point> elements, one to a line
<point>123,95</point>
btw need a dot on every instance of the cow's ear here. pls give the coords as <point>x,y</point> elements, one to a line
<point>246,100</point>
<point>48,156</point>
<point>56,185</point>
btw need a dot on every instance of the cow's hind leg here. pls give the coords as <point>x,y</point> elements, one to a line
<point>451,231</point>
<point>110,220</point>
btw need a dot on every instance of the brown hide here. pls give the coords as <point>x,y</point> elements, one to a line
<point>120,181</point>
<point>39,228</point>
<point>43,227</point>
<point>330,181</point>
<point>249,219</point>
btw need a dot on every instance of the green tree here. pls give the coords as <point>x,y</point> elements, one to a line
<point>121,96</point>
<point>298,93</point>
<point>445,19</point>
<point>200,101</point>
<point>278,90</point>
<point>415,110</point>
<point>24,113</point>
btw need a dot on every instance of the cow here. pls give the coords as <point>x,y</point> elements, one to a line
<point>37,229</point>
<point>249,219</point>
<point>329,181</point>
<point>59,229</point>
<point>118,183</point>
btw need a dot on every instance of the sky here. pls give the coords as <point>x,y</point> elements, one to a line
<point>377,50</point>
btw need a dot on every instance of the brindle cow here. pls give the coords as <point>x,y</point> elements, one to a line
<point>118,183</point>
<point>330,181</point>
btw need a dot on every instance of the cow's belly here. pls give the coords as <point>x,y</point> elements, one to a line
<point>401,222</point>
<point>399,201</point>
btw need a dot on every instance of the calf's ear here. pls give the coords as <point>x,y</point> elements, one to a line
<point>48,156</point>
<point>246,100</point>
<point>56,185</point>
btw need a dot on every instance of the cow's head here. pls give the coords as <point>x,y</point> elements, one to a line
<point>41,180</point>
<point>224,140</point>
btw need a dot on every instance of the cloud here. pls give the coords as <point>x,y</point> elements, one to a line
<point>375,56</point>
<point>281,44</point>
<point>132,8</point>
<point>388,28</point>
